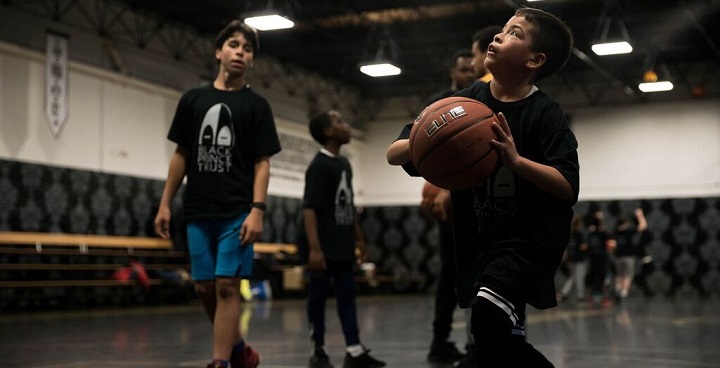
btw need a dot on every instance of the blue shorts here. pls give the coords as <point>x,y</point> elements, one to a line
<point>215,249</point>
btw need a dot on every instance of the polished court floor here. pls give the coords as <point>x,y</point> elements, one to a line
<point>642,333</point>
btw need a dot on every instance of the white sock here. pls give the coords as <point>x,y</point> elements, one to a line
<point>355,350</point>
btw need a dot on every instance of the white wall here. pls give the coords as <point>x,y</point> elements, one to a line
<point>118,124</point>
<point>659,150</point>
<point>650,151</point>
<point>114,123</point>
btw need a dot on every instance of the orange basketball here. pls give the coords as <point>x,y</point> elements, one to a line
<point>450,143</point>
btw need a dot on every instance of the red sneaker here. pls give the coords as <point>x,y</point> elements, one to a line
<point>247,358</point>
<point>215,364</point>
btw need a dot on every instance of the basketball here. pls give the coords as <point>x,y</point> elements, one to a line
<point>450,143</point>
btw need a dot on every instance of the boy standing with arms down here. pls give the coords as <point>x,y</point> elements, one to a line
<point>225,135</point>
<point>330,234</point>
<point>511,232</point>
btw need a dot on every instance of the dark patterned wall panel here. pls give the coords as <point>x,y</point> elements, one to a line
<point>42,198</point>
<point>683,238</point>
<point>51,199</point>
<point>682,243</point>
<point>402,242</point>
<point>681,246</point>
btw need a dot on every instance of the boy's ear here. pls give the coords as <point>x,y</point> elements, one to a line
<point>536,60</point>
<point>328,130</point>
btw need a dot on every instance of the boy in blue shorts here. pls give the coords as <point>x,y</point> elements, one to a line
<point>225,135</point>
<point>511,231</point>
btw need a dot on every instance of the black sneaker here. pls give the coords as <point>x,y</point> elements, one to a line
<point>320,359</point>
<point>444,352</point>
<point>470,359</point>
<point>362,361</point>
<point>467,362</point>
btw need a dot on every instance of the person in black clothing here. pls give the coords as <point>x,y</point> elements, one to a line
<point>330,234</point>
<point>626,242</point>
<point>576,258</point>
<point>511,231</point>
<point>479,47</point>
<point>600,244</point>
<point>462,76</point>
<point>225,134</point>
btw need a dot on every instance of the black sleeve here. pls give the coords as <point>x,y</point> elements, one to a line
<point>408,167</point>
<point>315,186</point>
<point>180,128</point>
<point>267,142</point>
<point>561,146</point>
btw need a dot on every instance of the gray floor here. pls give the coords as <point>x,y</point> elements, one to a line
<point>642,333</point>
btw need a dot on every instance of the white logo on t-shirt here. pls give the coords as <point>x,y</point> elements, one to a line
<point>216,140</point>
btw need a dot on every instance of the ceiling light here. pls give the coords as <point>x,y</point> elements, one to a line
<point>615,42</point>
<point>612,48</point>
<point>380,69</point>
<point>656,86</point>
<point>269,22</point>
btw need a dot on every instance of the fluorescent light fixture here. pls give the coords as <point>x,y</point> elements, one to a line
<point>656,86</point>
<point>612,48</point>
<point>380,69</point>
<point>269,22</point>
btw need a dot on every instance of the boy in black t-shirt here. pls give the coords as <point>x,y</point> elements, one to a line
<point>511,232</point>
<point>225,135</point>
<point>329,236</point>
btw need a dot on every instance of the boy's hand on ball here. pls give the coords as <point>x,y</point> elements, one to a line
<point>505,143</point>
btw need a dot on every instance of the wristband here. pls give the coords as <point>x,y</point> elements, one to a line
<point>259,205</point>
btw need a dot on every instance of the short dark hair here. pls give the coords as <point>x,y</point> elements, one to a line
<point>486,35</point>
<point>237,26</point>
<point>551,36</point>
<point>464,53</point>
<point>317,127</point>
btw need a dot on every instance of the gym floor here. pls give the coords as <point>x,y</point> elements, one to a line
<point>642,333</point>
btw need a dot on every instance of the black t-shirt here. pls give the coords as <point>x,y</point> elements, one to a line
<point>439,96</point>
<point>576,254</point>
<point>597,243</point>
<point>626,242</point>
<point>509,234</point>
<point>224,133</point>
<point>328,191</point>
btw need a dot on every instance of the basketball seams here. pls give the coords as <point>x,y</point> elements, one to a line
<point>473,163</point>
<point>461,129</point>
<point>448,101</point>
<point>446,153</point>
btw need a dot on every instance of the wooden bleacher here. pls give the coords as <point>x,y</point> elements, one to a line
<point>71,267</point>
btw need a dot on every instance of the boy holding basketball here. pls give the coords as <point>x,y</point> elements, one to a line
<point>512,230</point>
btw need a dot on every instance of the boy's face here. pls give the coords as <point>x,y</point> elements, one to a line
<point>236,55</point>
<point>339,129</point>
<point>510,51</point>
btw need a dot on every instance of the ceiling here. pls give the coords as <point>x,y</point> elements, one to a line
<point>681,38</point>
